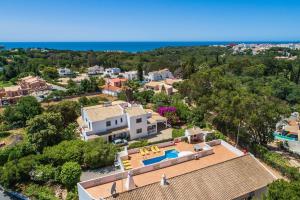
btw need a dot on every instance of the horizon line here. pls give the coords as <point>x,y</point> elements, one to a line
<point>138,41</point>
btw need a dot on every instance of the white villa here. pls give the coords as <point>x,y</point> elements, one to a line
<point>64,72</point>
<point>95,70</point>
<point>118,120</point>
<point>131,75</point>
<point>159,75</point>
<point>112,71</point>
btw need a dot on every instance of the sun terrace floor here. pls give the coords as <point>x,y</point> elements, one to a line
<point>221,154</point>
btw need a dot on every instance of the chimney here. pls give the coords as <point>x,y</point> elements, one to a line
<point>163,181</point>
<point>129,184</point>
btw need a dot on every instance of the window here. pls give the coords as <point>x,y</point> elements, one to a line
<point>139,130</point>
<point>116,122</point>
<point>139,120</point>
<point>108,123</point>
<point>121,120</point>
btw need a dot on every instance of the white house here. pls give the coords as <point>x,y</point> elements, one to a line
<point>131,75</point>
<point>117,120</point>
<point>159,75</point>
<point>64,71</point>
<point>112,71</point>
<point>111,90</point>
<point>95,70</point>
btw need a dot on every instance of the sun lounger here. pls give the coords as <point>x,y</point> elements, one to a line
<point>142,152</point>
<point>157,149</point>
<point>128,167</point>
<point>126,164</point>
<point>146,151</point>
<point>153,149</point>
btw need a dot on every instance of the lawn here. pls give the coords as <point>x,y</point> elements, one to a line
<point>5,84</point>
<point>177,133</point>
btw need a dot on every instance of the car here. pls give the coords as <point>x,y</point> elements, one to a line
<point>120,142</point>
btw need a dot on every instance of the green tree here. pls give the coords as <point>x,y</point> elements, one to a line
<point>140,72</point>
<point>45,130</point>
<point>281,190</point>
<point>69,110</point>
<point>26,108</point>
<point>65,151</point>
<point>98,153</point>
<point>50,72</point>
<point>70,174</point>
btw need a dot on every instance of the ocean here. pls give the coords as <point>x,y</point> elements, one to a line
<point>113,46</point>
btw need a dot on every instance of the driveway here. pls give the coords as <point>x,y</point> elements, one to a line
<point>162,135</point>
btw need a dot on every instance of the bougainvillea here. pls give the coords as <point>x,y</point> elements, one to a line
<point>170,113</point>
<point>166,109</point>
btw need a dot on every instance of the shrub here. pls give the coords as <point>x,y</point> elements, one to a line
<point>177,133</point>
<point>138,144</point>
<point>277,161</point>
<point>37,192</point>
<point>64,152</point>
<point>43,173</point>
<point>216,135</point>
<point>17,171</point>
<point>70,174</point>
<point>4,134</point>
<point>98,153</point>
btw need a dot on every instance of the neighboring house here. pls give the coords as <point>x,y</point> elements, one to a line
<point>95,70</point>
<point>117,82</point>
<point>113,86</point>
<point>159,87</point>
<point>112,71</point>
<point>159,75</point>
<point>26,86</point>
<point>172,81</point>
<point>288,128</point>
<point>116,120</point>
<point>131,75</point>
<point>111,90</point>
<point>64,72</point>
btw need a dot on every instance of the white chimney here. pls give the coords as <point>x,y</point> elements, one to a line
<point>129,184</point>
<point>163,181</point>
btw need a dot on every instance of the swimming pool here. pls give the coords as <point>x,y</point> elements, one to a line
<point>172,153</point>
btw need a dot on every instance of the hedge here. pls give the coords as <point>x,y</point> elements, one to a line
<point>277,161</point>
<point>137,144</point>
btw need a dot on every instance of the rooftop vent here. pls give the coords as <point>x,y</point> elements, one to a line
<point>163,181</point>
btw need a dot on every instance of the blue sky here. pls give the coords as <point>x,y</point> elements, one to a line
<point>149,20</point>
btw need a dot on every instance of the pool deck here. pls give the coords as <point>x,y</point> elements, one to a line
<point>221,154</point>
<point>136,159</point>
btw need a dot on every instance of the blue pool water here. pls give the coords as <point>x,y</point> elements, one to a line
<point>168,154</point>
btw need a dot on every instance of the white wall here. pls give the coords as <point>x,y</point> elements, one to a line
<point>133,126</point>
<point>111,93</point>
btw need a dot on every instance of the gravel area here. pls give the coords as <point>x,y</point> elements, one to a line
<point>96,173</point>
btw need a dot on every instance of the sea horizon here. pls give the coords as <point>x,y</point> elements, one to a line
<point>124,46</point>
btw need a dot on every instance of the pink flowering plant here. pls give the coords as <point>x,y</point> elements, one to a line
<point>170,113</point>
